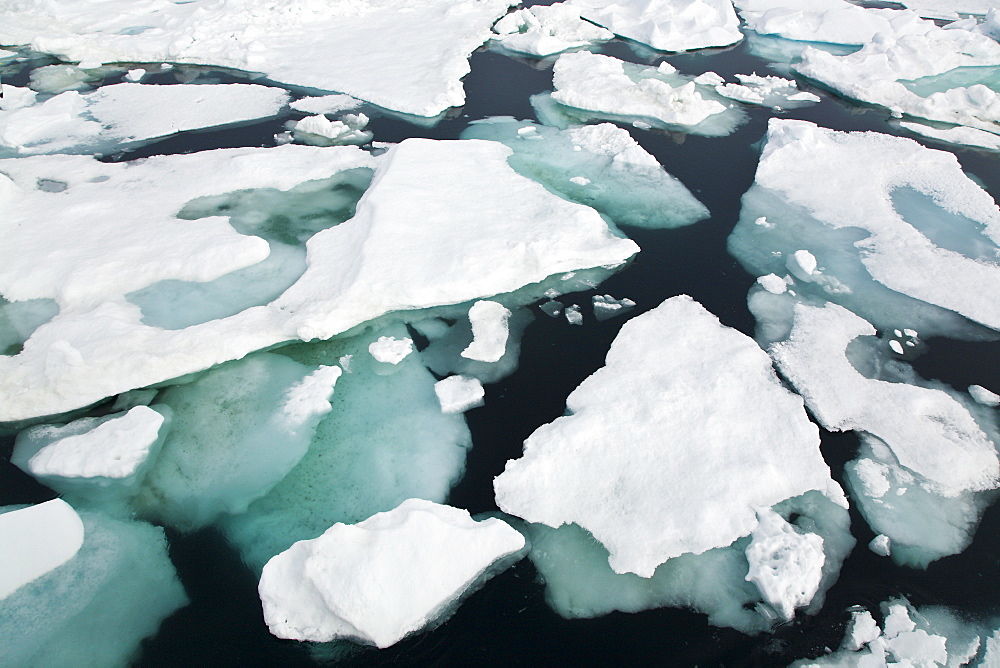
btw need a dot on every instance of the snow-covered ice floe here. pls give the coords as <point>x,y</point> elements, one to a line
<point>916,244</point>
<point>453,207</point>
<point>117,576</point>
<point>936,74</point>
<point>546,30</point>
<point>321,131</point>
<point>598,165</point>
<point>831,21</point>
<point>592,86</point>
<point>929,636</point>
<point>389,576</point>
<point>489,331</point>
<point>674,458</point>
<point>458,394</point>
<point>955,134</point>
<point>666,25</point>
<point>353,47</point>
<point>122,115</point>
<point>36,540</point>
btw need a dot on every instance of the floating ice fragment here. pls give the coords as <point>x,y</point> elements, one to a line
<point>650,498</point>
<point>767,91</point>
<point>785,565</point>
<point>551,308</point>
<point>135,75</point>
<point>489,331</point>
<point>861,630</point>
<point>881,545</point>
<point>387,577</point>
<point>573,314</point>
<point>36,540</point>
<point>666,25</point>
<point>606,306</point>
<point>801,264</point>
<point>833,21</point>
<point>957,134</point>
<point>773,283</point>
<point>896,346</point>
<point>325,104</point>
<point>984,396</point>
<point>391,350</point>
<point>545,30</point>
<point>580,180</point>
<point>458,394</point>
<point>320,131</point>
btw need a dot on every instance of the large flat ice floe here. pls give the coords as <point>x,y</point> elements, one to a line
<point>666,25</point>
<point>915,232</point>
<point>661,458</point>
<point>436,215</point>
<point>831,21</point>
<point>118,116</point>
<point>353,47</point>
<point>591,85</point>
<point>385,578</point>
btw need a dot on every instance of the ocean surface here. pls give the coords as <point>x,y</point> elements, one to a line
<point>507,621</point>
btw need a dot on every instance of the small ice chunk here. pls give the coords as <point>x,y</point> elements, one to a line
<point>786,566</point>
<point>872,476</point>
<point>896,346</point>
<point>458,394</point>
<point>551,308</point>
<point>802,265</point>
<point>983,396</point>
<point>573,315</point>
<point>320,131</point>
<point>384,578</point>
<point>768,91</point>
<point>912,333</point>
<point>36,540</point>
<point>326,104</point>
<point>15,97</point>
<point>580,180</point>
<point>881,545</point>
<point>709,79</point>
<point>861,630</point>
<point>898,621</point>
<point>773,283</point>
<point>135,75</point>
<point>606,306</point>
<point>390,350</point>
<point>489,331</point>
<point>666,25</point>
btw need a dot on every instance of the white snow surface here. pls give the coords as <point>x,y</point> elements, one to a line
<point>832,21</point>
<point>353,46</point>
<point>929,432</point>
<point>545,30</point>
<point>384,578</point>
<point>984,396</point>
<point>390,350</point>
<point>808,167</point>
<point>949,9</point>
<point>458,394</point>
<point>319,130</point>
<point>785,565</point>
<point>666,25</point>
<point>767,91</point>
<point>489,331</point>
<point>126,113</point>
<point>659,460</point>
<point>599,83</point>
<point>325,104</point>
<point>435,214</point>
<point>957,134</point>
<point>113,449</point>
<point>36,540</point>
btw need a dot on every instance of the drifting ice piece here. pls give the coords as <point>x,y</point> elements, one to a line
<point>666,25</point>
<point>387,577</point>
<point>701,440</point>
<point>320,131</point>
<point>544,30</point>
<point>36,540</point>
<point>122,115</point>
<point>832,21</point>
<point>590,85</point>
<point>769,91</point>
<point>326,104</point>
<point>353,47</point>
<point>489,331</point>
<point>458,394</point>
<point>928,231</point>
<point>606,306</point>
<point>391,350</point>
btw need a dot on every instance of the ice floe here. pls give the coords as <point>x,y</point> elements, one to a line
<point>606,306</point>
<point>598,165</point>
<point>352,47</point>
<point>36,540</point>
<point>681,478</point>
<point>387,577</point>
<point>326,104</point>
<point>546,30</point>
<point>956,134</point>
<point>120,579</point>
<point>390,350</point>
<point>122,115</point>
<point>590,86</point>
<point>666,25</point>
<point>458,394</point>
<point>321,131</point>
<point>489,331</point>
<point>767,91</point>
<point>833,21</point>
<point>928,234</point>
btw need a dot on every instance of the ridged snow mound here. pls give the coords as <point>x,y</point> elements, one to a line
<point>385,578</point>
<point>672,447</point>
<point>353,46</point>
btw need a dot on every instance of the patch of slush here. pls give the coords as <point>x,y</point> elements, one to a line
<point>353,47</point>
<point>877,254</point>
<point>929,636</point>
<point>832,21</point>
<point>121,579</point>
<point>384,440</point>
<point>666,25</point>
<point>882,72</point>
<point>458,394</point>
<point>452,207</point>
<point>594,86</point>
<point>36,539</point>
<point>237,431</point>
<point>598,165</point>
<point>546,30</point>
<point>580,583</point>
<point>385,578</point>
<point>702,440</point>
<point>123,115</point>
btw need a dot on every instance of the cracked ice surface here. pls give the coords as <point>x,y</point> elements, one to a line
<point>435,213</point>
<point>697,442</point>
<point>353,46</point>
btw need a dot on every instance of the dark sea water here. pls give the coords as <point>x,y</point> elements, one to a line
<point>507,622</point>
